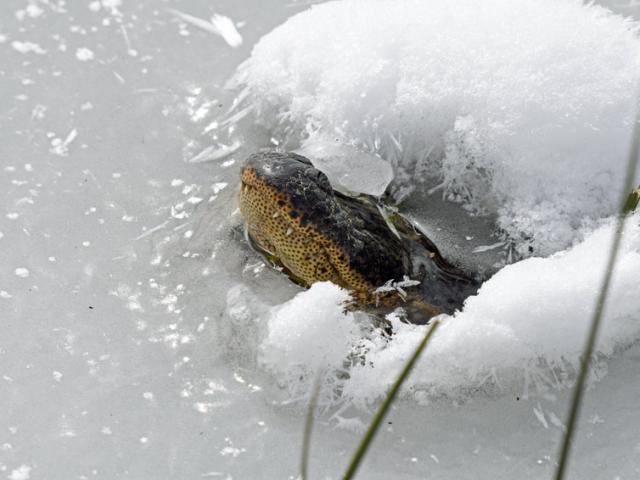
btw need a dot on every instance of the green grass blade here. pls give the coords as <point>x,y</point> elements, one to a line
<point>308,427</point>
<point>578,392</point>
<point>632,201</point>
<point>382,410</point>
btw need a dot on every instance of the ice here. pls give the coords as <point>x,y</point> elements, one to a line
<point>349,169</point>
<point>213,153</point>
<point>227,30</point>
<point>505,108</point>
<point>149,341</point>
<point>219,25</point>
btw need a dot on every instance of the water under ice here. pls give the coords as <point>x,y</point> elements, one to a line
<point>141,338</point>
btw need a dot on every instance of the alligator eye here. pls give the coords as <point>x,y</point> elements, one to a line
<point>323,181</point>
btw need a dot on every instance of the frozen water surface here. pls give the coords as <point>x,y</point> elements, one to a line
<point>141,338</point>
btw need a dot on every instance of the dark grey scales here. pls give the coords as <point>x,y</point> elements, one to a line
<point>316,233</point>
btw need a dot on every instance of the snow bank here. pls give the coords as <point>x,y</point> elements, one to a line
<point>520,110</point>
<point>308,336</point>
<point>521,334</point>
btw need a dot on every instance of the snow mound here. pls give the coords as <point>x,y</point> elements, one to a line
<point>522,334</point>
<point>518,110</point>
<point>307,336</point>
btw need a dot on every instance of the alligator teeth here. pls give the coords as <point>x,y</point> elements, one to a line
<point>275,215</point>
<point>289,231</point>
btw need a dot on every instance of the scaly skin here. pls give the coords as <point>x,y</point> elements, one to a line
<point>316,234</point>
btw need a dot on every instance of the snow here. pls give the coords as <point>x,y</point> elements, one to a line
<point>32,11</point>
<point>309,333</point>
<point>149,341</point>
<point>28,47</point>
<point>84,54</point>
<point>23,472</point>
<point>22,272</point>
<point>431,94</point>
<point>522,112</point>
<point>522,334</point>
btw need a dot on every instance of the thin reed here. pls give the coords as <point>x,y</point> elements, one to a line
<point>596,321</point>
<point>308,427</point>
<point>365,443</point>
